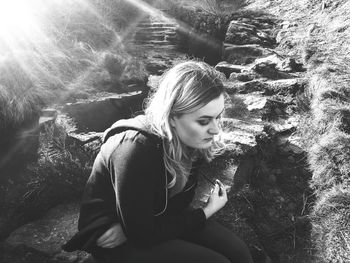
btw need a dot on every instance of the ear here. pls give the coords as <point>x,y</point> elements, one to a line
<point>172,121</point>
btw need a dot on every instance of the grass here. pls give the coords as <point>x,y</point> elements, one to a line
<point>331,219</point>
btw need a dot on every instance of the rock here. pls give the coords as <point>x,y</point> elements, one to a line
<point>228,68</point>
<point>285,126</point>
<point>48,116</point>
<point>285,86</point>
<point>290,65</point>
<point>41,240</point>
<point>98,114</point>
<point>241,132</point>
<point>243,88</point>
<point>281,35</point>
<point>243,77</point>
<point>255,102</point>
<point>274,59</point>
<point>244,54</point>
<point>291,143</point>
<point>281,63</point>
<point>269,70</point>
<point>239,33</point>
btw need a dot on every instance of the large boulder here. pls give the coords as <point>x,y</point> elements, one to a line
<point>240,33</point>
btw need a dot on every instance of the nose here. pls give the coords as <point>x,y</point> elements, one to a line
<point>215,127</point>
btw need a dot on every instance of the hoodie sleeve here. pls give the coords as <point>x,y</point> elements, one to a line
<point>135,165</point>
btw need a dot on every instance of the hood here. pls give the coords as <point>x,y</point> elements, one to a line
<point>138,123</point>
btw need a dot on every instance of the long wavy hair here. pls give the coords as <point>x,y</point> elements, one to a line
<point>184,88</point>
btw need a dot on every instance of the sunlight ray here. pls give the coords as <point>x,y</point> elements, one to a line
<point>183,27</point>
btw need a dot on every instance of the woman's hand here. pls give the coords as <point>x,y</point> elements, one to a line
<point>113,237</point>
<point>217,200</point>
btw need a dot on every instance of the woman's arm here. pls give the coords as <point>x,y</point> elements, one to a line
<point>138,170</point>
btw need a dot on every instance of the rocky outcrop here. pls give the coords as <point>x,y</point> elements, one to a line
<point>96,115</point>
<point>240,33</point>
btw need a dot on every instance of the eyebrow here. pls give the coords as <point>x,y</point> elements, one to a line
<point>210,117</point>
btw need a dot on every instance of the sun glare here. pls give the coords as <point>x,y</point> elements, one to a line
<point>19,21</point>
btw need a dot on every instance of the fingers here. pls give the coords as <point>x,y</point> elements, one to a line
<point>107,238</point>
<point>112,237</point>
<point>216,189</point>
<point>104,238</point>
<point>109,245</point>
<point>222,189</point>
<point>110,242</point>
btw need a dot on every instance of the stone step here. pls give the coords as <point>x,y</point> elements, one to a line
<point>244,54</point>
<point>145,34</point>
<point>253,111</point>
<point>270,87</point>
<point>156,29</point>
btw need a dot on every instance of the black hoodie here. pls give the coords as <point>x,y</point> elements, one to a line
<point>127,185</point>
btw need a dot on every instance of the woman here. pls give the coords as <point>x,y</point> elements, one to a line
<point>136,203</point>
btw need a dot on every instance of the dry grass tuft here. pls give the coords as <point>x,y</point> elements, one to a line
<point>331,225</point>
<point>330,161</point>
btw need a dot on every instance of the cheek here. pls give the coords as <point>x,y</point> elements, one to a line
<point>195,131</point>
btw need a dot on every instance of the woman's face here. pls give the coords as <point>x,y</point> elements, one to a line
<point>197,128</point>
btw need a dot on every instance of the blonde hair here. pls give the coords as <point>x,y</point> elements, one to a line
<point>182,89</point>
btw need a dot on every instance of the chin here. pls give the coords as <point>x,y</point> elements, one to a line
<point>203,146</point>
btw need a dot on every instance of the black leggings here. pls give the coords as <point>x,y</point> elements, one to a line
<point>213,244</point>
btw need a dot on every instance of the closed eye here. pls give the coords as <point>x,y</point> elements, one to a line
<point>207,121</point>
<point>203,122</point>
